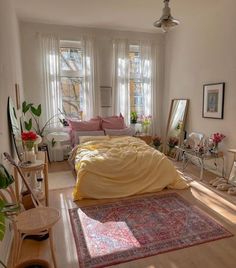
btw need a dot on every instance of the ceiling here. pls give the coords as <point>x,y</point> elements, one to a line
<point>133,15</point>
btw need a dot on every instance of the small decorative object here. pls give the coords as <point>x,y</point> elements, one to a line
<point>157,142</point>
<point>133,117</point>
<point>29,139</point>
<point>146,122</point>
<point>213,101</point>
<point>216,139</point>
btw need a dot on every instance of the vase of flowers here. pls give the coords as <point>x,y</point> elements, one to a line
<point>146,122</point>
<point>29,139</point>
<point>156,142</point>
<point>173,141</point>
<point>216,139</point>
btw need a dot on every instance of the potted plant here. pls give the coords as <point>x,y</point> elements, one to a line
<point>6,209</point>
<point>146,121</point>
<point>173,141</point>
<point>156,142</point>
<point>133,117</point>
<point>35,113</point>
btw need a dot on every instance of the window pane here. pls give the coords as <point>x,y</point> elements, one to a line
<point>72,97</point>
<point>135,83</point>
<point>71,60</point>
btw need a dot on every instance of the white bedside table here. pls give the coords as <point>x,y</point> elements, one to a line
<point>57,152</point>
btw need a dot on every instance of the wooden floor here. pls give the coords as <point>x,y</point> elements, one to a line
<point>217,254</point>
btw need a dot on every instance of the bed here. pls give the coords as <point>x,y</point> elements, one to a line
<point>114,167</point>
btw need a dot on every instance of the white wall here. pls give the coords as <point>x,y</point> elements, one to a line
<point>10,73</point>
<point>103,38</point>
<point>201,50</point>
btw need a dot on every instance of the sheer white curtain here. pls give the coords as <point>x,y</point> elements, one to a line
<point>148,55</point>
<point>121,97</point>
<point>52,95</point>
<point>90,81</point>
<point>52,98</point>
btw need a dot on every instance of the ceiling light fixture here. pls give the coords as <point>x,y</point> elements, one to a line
<point>166,21</point>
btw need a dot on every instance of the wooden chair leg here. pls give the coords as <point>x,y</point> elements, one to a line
<point>15,245</point>
<point>16,248</point>
<point>52,248</point>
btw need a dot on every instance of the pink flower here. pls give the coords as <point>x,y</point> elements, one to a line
<point>217,137</point>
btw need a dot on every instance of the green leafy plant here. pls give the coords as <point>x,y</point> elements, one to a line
<point>53,142</point>
<point>6,209</point>
<point>35,113</point>
<point>133,117</point>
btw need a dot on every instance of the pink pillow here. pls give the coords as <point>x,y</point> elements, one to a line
<point>91,125</point>
<point>113,122</point>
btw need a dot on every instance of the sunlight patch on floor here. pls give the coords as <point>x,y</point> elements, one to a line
<point>110,236</point>
<point>214,201</point>
<point>71,255</point>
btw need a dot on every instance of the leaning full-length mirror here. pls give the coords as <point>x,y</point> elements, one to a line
<point>176,124</point>
<point>15,128</point>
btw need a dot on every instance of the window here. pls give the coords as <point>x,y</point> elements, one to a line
<point>136,81</point>
<point>71,77</point>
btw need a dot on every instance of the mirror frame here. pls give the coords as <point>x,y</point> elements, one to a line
<point>11,127</point>
<point>232,177</point>
<point>181,137</point>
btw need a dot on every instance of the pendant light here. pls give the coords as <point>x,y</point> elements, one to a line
<point>166,21</point>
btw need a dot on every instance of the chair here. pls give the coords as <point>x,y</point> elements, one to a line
<point>35,221</point>
<point>195,139</point>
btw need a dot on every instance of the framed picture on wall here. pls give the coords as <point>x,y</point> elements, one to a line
<point>213,101</point>
<point>106,96</point>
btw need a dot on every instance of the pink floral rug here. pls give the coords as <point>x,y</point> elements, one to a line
<point>140,227</point>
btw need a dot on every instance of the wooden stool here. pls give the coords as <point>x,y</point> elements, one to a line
<point>35,221</point>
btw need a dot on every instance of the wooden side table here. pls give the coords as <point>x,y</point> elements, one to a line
<point>41,165</point>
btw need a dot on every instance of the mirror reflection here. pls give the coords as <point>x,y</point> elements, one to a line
<point>15,128</point>
<point>176,124</point>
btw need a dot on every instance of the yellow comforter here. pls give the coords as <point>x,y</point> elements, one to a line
<point>122,166</point>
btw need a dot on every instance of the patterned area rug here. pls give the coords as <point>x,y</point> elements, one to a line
<point>136,228</point>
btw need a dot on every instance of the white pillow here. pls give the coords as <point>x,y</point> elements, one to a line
<point>129,131</point>
<point>77,134</point>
